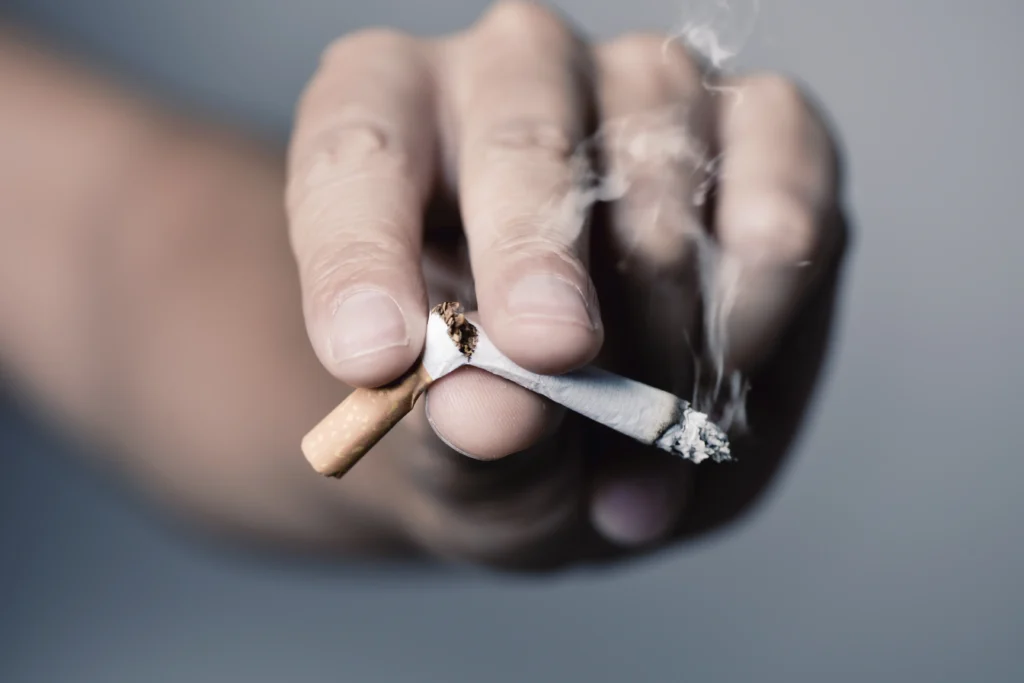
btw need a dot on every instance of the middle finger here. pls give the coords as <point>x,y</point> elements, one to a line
<point>518,94</point>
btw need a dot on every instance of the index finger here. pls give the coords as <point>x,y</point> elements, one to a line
<point>360,174</point>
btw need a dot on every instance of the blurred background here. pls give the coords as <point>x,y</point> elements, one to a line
<point>889,547</point>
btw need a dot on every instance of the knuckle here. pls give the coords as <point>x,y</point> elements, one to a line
<point>348,149</point>
<point>657,55</point>
<point>525,238</point>
<point>637,46</point>
<point>350,142</point>
<point>531,135</point>
<point>372,40</point>
<point>777,93</point>
<point>656,144</point>
<point>524,18</point>
<point>772,227</point>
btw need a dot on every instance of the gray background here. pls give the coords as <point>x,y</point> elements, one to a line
<point>890,550</point>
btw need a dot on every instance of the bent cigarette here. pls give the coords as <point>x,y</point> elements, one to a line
<point>337,443</point>
<point>649,415</point>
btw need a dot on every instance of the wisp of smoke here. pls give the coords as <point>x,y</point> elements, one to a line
<point>714,32</point>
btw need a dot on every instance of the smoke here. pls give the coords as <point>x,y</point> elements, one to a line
<point>714,32</point>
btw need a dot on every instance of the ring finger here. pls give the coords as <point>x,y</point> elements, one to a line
<point>656,139</point>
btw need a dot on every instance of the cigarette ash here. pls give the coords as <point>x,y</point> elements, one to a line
<point>695,437</point>
<point>461,331</point>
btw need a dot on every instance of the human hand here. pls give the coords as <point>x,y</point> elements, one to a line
<point>424,170</point>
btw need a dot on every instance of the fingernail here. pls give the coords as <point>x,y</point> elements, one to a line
<point>366,322</point>
<point>632,512</point>
<point>548,297</point>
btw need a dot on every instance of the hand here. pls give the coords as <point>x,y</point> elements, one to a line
<point>423,170</point>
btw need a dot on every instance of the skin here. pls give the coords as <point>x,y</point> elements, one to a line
<point>194,328</point>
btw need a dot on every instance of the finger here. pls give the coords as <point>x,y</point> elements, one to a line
<point>483,416</point>
<point>486,417</point>
<point>476,413</point>
<point>638,498</point>
<point>359,177</point>
<point>777,192</point>
<point>655,132</point>
<point>516,93</point>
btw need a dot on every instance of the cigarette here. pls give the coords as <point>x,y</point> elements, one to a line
<point>644,413</point>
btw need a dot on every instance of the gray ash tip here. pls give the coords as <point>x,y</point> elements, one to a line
<point>462,332</point>
<point>696,438</point>
<point>716,442</point>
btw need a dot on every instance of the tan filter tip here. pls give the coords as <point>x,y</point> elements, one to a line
<point>360,421</point>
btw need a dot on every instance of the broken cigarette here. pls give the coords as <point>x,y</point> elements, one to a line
<point>649,415</point>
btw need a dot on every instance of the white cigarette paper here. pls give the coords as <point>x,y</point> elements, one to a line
<point>642,412</point>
